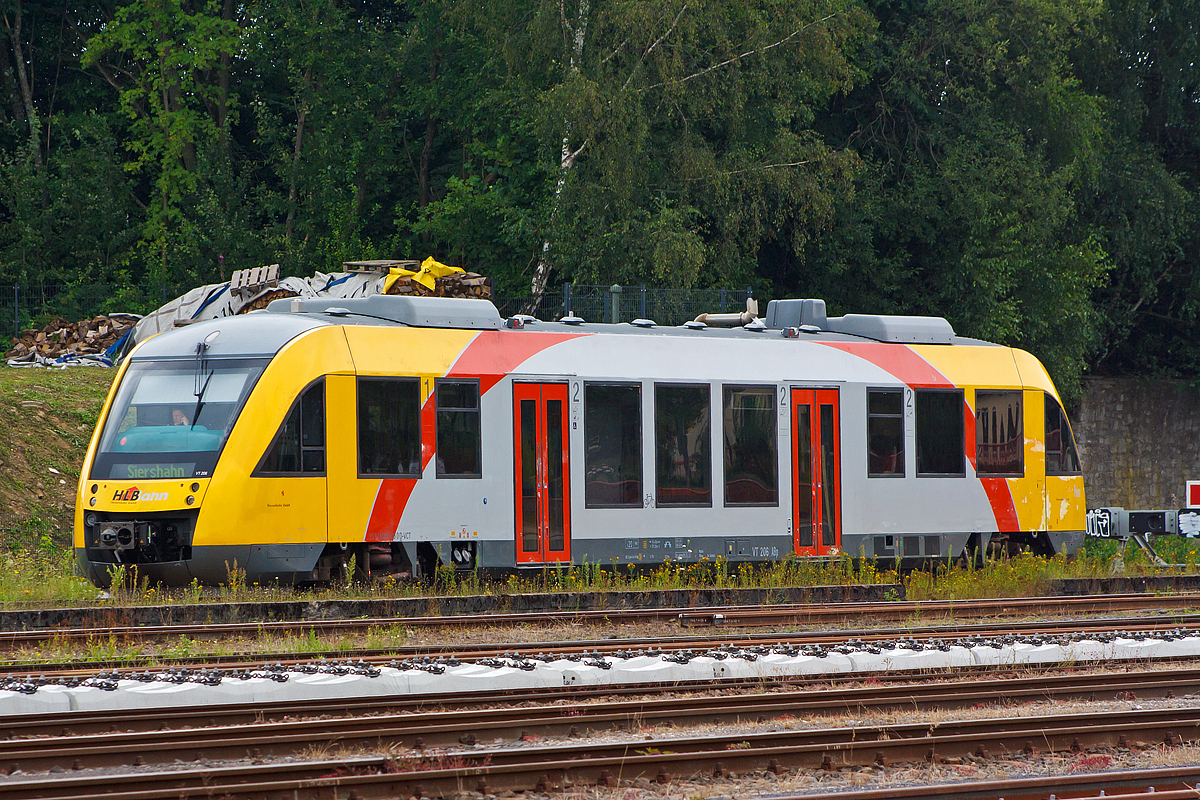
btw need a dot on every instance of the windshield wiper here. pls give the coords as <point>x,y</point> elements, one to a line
<point>200,388</point>
<point>200,397</point>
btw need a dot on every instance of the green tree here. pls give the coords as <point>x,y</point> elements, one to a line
<point>166,51</point>
<point>979,140</point>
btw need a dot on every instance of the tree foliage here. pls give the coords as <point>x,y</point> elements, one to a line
<point>1027,169</point>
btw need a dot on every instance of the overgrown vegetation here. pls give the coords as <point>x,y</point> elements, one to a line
<point>33,578</point>
<point>46,422</point>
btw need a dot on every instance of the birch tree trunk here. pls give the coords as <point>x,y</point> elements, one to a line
<point>541,272</point>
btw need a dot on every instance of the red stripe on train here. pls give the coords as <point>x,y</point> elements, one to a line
<point>909,367</point>
<point>896,359</point>
<point>489,358</point>
<point>492,354</point>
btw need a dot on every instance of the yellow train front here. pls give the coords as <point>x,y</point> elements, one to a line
<point>395,435</point>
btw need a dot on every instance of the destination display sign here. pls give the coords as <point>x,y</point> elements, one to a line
<point>149,472</point>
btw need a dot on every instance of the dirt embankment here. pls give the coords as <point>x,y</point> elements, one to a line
<point>46,422</point>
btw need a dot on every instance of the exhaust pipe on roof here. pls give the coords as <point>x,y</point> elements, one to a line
<point>732,320</point>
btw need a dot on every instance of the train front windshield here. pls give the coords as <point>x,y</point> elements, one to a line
<point>170,419</point>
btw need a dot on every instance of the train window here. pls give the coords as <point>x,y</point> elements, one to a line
<point>612,423</point>
<point>751,464</point>
<point>299,447</point>
<point>389,427</point>
<point>682,445</point>
<point>1061,456</point>
<point>940,433</point>
<point>458,445</point>
<point>885,433</point>
<point>999,434</point>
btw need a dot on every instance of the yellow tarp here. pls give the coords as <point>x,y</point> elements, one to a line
<point>427,275</point>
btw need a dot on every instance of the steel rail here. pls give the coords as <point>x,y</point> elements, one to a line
<point>437,774</point>
<point>453,728</point>
<point>1156,783</point>
<point>610,646</point>
<point>741,616</point>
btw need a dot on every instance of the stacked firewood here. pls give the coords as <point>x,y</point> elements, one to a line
<point>61,337</point>
<point>457,284</point>
<point>263,300</point>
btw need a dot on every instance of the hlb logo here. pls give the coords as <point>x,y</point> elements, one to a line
<point>133,494</point>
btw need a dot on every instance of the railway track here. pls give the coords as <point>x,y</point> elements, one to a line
<point>1163,783</point>
<point>615,646</point>
<point>729,616</point>
<point>72,741</point>
<point>153,719</point>
<point>439,773</point>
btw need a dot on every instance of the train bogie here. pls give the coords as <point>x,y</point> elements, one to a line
<point>404,434</point>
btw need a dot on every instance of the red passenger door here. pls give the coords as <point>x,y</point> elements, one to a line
<point>541,465</point>
<point>816,465</point>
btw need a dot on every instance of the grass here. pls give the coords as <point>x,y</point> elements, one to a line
<point>46,422</point>
<point>35,578</point>
<point>117,650</point>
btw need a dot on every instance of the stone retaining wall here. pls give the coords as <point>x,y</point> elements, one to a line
<point>1139,440</point>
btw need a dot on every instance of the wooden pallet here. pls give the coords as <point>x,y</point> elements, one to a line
<point>379,267</point>
<point>249,282</point>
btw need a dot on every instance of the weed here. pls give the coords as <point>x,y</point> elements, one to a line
<point>235,580</point>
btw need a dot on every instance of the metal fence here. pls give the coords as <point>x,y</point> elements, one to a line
<point>25,306</point>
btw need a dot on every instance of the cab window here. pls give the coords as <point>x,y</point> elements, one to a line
<point>1061,456</point>
<point>299,446</point>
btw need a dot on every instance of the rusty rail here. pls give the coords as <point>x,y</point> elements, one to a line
<point>438,773</point>
<point>739,616</point>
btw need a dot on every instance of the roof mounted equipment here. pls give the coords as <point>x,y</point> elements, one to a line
<point>808,314</point>
<point>417,312</point>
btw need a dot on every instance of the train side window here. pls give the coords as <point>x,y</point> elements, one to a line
<point>458,431</point>
<point>299,446</point>
<point>389,427</point>
<point>885,433</point>
<point>1061,455</point>
<point>751,463</point>
<point>999,434</point>
<point>940,433</point>
<point>682,445</point>
<point>612,425</point>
